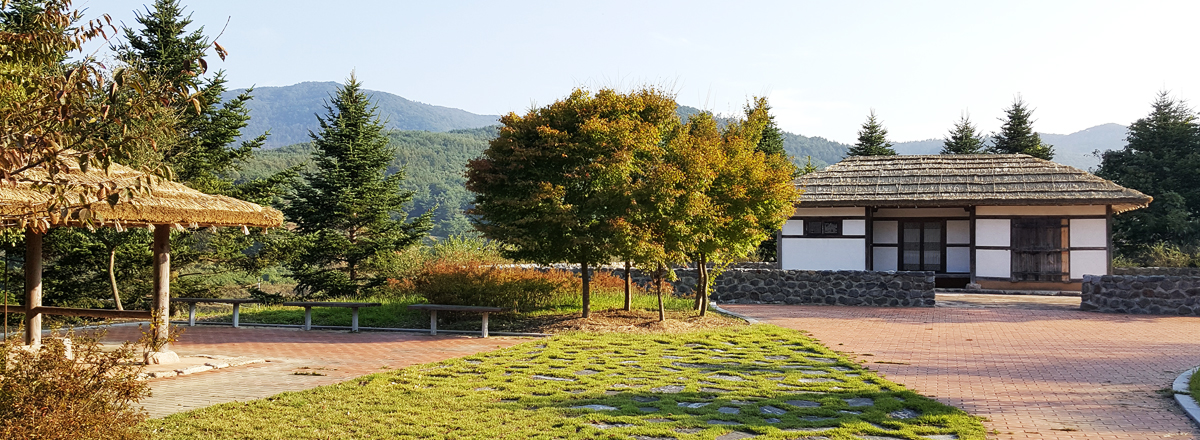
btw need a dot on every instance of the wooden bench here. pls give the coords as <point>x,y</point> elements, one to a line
<point>191,302</point>
<point>433,309</point>
<point>353,306</point>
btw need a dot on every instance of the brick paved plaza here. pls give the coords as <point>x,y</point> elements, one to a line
<point>1035,367</point>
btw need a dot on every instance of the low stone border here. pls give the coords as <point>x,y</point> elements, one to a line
<point>1183,396</point>
<point>740,316</point>
<point>218,362</point>
<point>1011,292</point>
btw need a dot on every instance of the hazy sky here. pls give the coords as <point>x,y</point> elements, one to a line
<point>823,65</point>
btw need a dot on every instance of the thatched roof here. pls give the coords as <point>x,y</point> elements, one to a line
<point>961,180</point>
<point>165,203</point>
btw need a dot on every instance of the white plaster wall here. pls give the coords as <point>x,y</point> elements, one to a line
<point>854,227</point>
<point>823,254</point>
<point>958,232</point>
<point>831,212</point>
<point>885,258</point>
<point>1041,210</point>
<point>920,212</point>
<point>1089,232</point>
<point>958,259</point>
<point>993,232</point>
<point>793,227</point>
<point>886,232</point>
<point>993,263</point>
<point>1088,263</point>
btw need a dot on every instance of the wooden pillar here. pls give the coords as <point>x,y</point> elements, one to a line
<point>1108,245</point>
<point>33,287</point>
<point>972,242</point>
<point>162,282</point>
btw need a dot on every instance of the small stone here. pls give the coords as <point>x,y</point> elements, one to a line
<point>842,368</point>
<point>648,409</point>
<point>595,407</point>
<point>775,358</point>
<point>942,437</point>
<point>850,412</point>
<point>727,377</point>
<point>735,435</point>
<point>646,437</point>
<point>739,402</point>
<point>772,410</point>
<point>556,379</point>
<point>611,393</point>
<point>816,419</point>
<point>728,410</point>
<point>668,389</point>
<point>905,413</point>
<point>803,403</point>
<point>815,380</point>
<point>693,405</point>
<point>217,365</point>
<point>723,422</point>
<point>645,399</point>
<point>713,390</point>
<point>860,401</point>
<point>823,360</point>
<point>586,372</point>
<point>771,420</point>
<point>880,437</point>
<point>629,362</point>
<point>657,420</point>
<point>688,430</point>
<point>609,426</point>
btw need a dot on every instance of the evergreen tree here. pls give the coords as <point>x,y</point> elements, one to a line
<point>872,140</point>
<point>346,210</point>
<point>1017,136</point>
<point>963,139</point>
<point>771,141</point>
<point>1161,159</point>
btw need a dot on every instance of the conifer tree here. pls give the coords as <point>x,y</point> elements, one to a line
<point>348,212</point>
<point>1016,134</point>
<point>963,139</point>
<point>872,140</point>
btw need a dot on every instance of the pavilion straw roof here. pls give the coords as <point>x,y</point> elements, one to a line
<point>166,202</point>
<point>961,180</point>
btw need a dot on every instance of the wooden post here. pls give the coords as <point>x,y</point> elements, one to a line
<point>33,287</point>
<point>162,283</point>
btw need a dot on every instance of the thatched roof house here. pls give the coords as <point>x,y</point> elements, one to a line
<point>999,220</point>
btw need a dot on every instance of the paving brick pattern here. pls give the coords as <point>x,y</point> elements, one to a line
<point>1041,370</point>
<point>329,356</point>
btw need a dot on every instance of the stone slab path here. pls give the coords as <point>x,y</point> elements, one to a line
<point>296,360</point>
<point>1042,370</point>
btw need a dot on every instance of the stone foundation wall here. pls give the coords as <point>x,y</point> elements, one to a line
<point>1163,271</point>
<point>1150,295</point>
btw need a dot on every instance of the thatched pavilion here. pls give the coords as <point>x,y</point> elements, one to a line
<point>164,206</point>
<point>999,221</point>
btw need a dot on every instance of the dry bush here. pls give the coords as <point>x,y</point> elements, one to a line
<point>47,394</point>
<point>476,284</point>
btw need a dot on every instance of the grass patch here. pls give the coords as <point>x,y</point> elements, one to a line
<point>760,379</point>
<point>395,313</point>
<point>1194,385</point>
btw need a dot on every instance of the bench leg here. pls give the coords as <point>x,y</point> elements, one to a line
<point>485,324</point>
<point>433,322</point>
<point>192,315</point>
<point>236,307</point>
<point>308,318</point>
<point>354,319</point>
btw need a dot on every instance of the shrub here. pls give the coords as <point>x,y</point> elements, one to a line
<point>49,394</point>
<point>496,286</point>
<point>1162,254</point>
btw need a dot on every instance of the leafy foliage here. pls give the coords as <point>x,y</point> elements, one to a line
<point>1161,159</point>
<point>1016,134</point>
<point>344,210</point>
<point>872,139</point>
<point>963,138</point>
<point>475,284</point>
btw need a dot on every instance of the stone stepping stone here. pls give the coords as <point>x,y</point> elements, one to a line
<point>551,378</point>
<point>860,401</point>
<point>703,382</point>
<point>671,370</point>
<point>485,389</point>
<point>814,372</point>
<point>773,410</point>
<point>717,350</point>
<point>942,437</point>
<point>735,435</point>
<point>842,368</point>
<point>727,377</point>
<point>648,409</point>
<point>585,372</point>
<point>672,357</point>
<point>474,362</point>
<point>645,399</point>
<point>784,385</point>
<point>771,420</point>
<point>611,393</point>
<point>776,358</point>
<point>713,390</point>
<point>540,346</point>
<point>739,402</point>
<point>688,430</point>
<point>905,413</point>
<point>776,378</point>
<point>879,437</point>
<point>823,360</point>
<point>723,422</point>
<point>629,362</point>
<point>855,413</point>
<point>699,366</point>
<point>760,370</point>
<point>692,345</point>
<point>657,420</point>
<point>596,407</point>
<point>646,437</point>
<point>728,410</point>
<point>816,380</point>
<point>609,426</point>
<point>693,405</point>
<point>817,419</point>
<point>803,403</point>
<point>853,375</point>
<point>808,429</point>
<point>577,391</point>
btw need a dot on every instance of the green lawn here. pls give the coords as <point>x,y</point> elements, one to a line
<point>395,314</point>
<point>1194,385</point>
<point>758,379</point>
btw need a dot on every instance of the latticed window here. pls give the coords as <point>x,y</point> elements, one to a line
<point>821,227</point>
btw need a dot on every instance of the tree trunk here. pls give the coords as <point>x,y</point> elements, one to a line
<point>702,291</point>
<point>662,313</point>
<point>587,291</point>
<point>628,288</point>
<point>112,277</point>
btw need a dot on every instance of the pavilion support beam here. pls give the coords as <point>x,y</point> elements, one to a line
<point>161,312</point>
<point>33,287</point>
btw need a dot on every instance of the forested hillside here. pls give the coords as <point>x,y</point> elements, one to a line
<point>289,112</point>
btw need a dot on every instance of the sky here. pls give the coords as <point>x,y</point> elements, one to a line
<point>823,65</point>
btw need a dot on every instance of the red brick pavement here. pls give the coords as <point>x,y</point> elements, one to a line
<point>1048,373</point>
<point>335,356</point>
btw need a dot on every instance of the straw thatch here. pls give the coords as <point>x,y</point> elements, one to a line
<point>166,202</point>
<point>961,180</point>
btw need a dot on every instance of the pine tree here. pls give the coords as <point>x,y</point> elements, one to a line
<point>346,210</point>
<point>872,140</point>
<point>771,141</point>
<point>963,139</point>
<point>1017,136</point>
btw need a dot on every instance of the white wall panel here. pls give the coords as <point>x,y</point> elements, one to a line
<point>1088,263</point>
<point>823,254</point>
<point>1041,210</point>
<point>1089,232</point>
<point>854,227</point>
<point>993,232</point>
<point>993,263</point>
<point>793,227</point>
<point>885,232</point>
<point>958,232</point>
<point>885,259</point>
<point>831,212</point>
<point>958,259</point>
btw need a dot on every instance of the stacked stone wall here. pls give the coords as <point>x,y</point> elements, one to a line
<point>1149,295</point>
